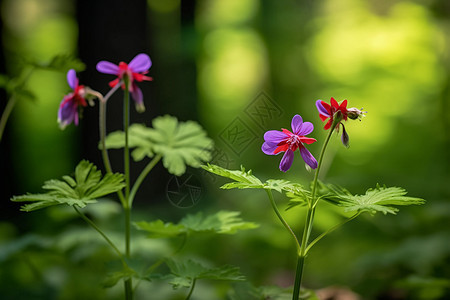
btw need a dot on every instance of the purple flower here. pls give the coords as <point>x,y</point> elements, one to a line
<point>73,102</point>
<point>134,71</point>
<point>287,142</point>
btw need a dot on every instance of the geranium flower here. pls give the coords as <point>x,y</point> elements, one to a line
<point>336,112</point>
<point>329,111</point>
<point>134,72</point>
<point>288,142</point>
<point>72,103</point>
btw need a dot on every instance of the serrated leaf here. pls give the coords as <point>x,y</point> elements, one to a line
<point>159,229</point>
<point>185,272</point>
<point>113,278</point>
<point>86,187</point>
<point>223,222</point>
<point>180,144</point>
<point>378,199</point>
<point>241,176</point>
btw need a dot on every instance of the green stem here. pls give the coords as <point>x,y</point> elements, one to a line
<point>331,230</point>
<point>23,78</point>
<point>127,206</point>
<point>283,221</point>
<point>102,127</point>
<point>309,222</point>
<point>298,277</point>
<point>192,289</point>
<point>142,176</point>
<point>93,225</point>
<point>6,113</point>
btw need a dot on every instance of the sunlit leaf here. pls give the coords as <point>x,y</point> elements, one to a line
<point>243,179</point>
<point>225,222</point>
<point>86,187</point>
<point>378,199</point>
<point>185,272</point>
<point>180,144</point>
<point>159,229</point>
<point>222,222</point>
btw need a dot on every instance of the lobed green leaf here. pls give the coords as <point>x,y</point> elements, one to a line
<point>86,187</point>
<point>180,144</point>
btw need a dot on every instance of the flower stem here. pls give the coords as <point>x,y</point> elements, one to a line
<point>126,160</point>
<point>283,221</point>
<point>102,127</point>
<point>331,230</point>
<point>93,225</point>
<point>309,223</point>
<point>142,176</point>
<point>192,289</point>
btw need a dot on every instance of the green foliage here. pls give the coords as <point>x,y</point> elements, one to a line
<point>378,199</point>
<point>246,180</point>
<point>180,144</point>
<point>222,222</point>
<point>246,291</point>
<point>183,273</point>
<point>85,187</point>
<point>61,63</point>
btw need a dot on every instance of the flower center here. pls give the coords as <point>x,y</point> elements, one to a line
<point>293,142</point>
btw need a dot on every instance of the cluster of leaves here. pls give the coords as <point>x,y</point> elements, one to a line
<point>184,273</point>
<point>85,187</point>
<point>180,144</point>
<point>378,199</point>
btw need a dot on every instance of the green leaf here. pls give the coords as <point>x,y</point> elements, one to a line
<point>180,144</point>
<point>62,63</point>
<point>244,179</point>
<point>113,278</point>
<point>86,187</point>
<point>378,199</point>
<point>185,272</point>
<point>223,222</point>
<point>159,229</point>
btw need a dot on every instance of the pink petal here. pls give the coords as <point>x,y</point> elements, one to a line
<point>322,110</point>
<point>286,161</point>
<point>269,148</point>
<point>72,79</point>
<point>138,98</point>
<point>107,67</point>
<point>296,124</point>
<point>308,158</point>
<point>141,63</point>
<point>275,136</point>
<point>306,129</point>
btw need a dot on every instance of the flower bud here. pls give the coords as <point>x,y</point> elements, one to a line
<point>354,113</point>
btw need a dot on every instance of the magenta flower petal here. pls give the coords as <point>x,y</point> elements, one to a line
<point>286,161</point>
<point>140,63</point>
<point>68,112</point>
<point>296,124</point>
<point>138,98</point>
<point>306,129</point>
<point>275,136</point>
<point>72,79</point>
<point>268,148</point>
<point>107,67</point>
<point>322,109</point>
<point>308,158</point>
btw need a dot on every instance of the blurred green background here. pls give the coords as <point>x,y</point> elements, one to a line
<point>239,68</point>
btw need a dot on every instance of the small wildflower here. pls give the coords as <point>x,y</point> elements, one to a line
<point>336,113</point>
<point>72,103</point>
<point>133,72</point>
<point>288,142</point>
